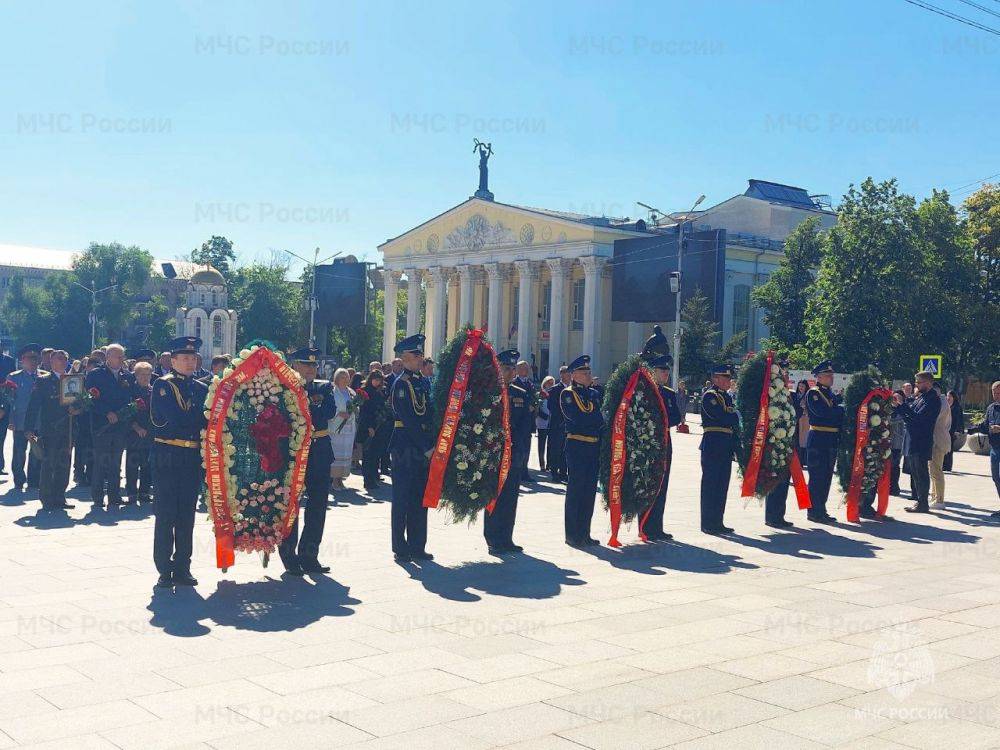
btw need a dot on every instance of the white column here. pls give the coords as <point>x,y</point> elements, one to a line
<point>559,270</point>
<point>413,301</point>
<point>437,299</point>
<point>391,278</point>
<point>593,265</point>
<point>526,326</point>
<point>494,320</point>
<point>466,278</point>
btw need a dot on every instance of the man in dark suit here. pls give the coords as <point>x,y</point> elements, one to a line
<point>49,423</point>
<point>139,438</point>
<point>920,415</point>
<point>7,365</point>
<point>556,458</point>
<point>115,387</point>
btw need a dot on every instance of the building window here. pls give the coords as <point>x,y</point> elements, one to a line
<point>197,327</point>
<point>217,334</point>
<point>215,299</point>
<point>579,290</point>
<point>546,305</point>
<point>741,308</point>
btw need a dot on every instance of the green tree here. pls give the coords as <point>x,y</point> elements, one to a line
<point>269,306</point>
<point>786,293</point>
<point>53,313</point>
<point>217,252</point>
<point>982,229</point>
<point>154,326</point>
<point>700,340</point>
<point>127,268</point>
<point>864,301</point>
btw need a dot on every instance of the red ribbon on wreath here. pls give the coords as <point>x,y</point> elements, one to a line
<point>863,423</point>
<point>759,433</point>
<point>619,452</point>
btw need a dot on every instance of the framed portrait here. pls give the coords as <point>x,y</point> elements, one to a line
<point>70,389</point>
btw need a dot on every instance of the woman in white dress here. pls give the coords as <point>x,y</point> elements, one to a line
<point>347,424</point>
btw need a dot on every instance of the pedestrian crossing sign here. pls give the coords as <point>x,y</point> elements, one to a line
<point>931,363</point>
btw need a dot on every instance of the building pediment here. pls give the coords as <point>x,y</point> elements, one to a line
<point>478,226</point>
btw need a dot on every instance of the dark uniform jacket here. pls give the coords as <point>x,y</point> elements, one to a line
<point>521,418</point>
<point>581,412</point>
<point>669,396</point>
<point>826,414</point>
<point>411,403</point>
<point>322,406</point>
<point>45,415</point>
<point>115,391</point>
<point>555,411</point>
<point>719,420</point>
<point>920,415</point>
<point>373,412</point>
<point>177,409</point>
<point>991,417</point>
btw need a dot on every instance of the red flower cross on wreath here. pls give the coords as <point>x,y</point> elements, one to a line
<point>270,427</point>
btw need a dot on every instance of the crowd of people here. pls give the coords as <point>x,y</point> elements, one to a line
<point>87,416</point>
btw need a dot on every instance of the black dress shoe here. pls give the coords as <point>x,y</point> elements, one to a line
<point>294,570</point>
<point>185,579</point>
<point>574,543</point>
<point>917,509</point>
<point>995,514</point>
<point>726,529</point>
<point>869,514</point>
<point>658,536</point>
<point>165,581</point>
<point>711,532</point>
<point>402,558</point>
<point>496,551</point>
<point>65,506</point>
<point>515,548</point>
<point>591,542</point>
<point>775,524</point>
<point>421,555</point>
<point>315,567</point>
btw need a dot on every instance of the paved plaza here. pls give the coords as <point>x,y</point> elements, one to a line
<point>878,636</point>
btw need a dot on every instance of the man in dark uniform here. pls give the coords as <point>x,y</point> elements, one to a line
<point>826,414</point>
<point>49,423</point>
<point>178,418</point>
<point>411,445</point>
<point>7,366</point>
<point>498,526</point>
<point>115,386</point>
<point>719,420</point>
<point>556,458</point>
<point>774,503</point>
<point>583,423</point>
<point>653,525</point>
<point>139,438</point>
<point>523,379</point>
<point>300,555</point>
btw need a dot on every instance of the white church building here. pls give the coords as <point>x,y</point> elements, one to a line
<point>206,314</point>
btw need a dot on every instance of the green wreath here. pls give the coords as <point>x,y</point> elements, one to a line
<point>859,386</point>
<point>774,465</point>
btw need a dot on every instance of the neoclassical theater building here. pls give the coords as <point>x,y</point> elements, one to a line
<point>540,281</point>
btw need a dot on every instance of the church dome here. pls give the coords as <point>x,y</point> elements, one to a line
<point>208,275</point>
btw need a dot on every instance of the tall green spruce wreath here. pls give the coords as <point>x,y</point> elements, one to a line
<point>880,412</point>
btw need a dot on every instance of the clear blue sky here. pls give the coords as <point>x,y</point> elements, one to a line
<point>292,125</point>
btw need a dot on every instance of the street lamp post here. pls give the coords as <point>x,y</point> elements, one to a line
<point>312,293</point>
<point>93,309</point>
<point>676,282</point>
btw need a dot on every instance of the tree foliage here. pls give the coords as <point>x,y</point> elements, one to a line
<point>127,268</point>
<point>701,337</point>
<point>982,230</point>
<point>269,306</point>
<point>785,295</point>
<point>217,252</point>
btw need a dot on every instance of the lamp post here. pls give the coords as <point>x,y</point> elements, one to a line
<point>93,308</point>
<point>312,294</point>
<point>676,282</point>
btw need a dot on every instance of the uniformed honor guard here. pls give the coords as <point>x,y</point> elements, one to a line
<point>774,503</point>
<point>301,555</point>
<point>498,526</point>
<point>115,387</point>
<point>826,414</point>
<point>719,419</point>
<point>581,409</point>
<point>49,421</point>
<point>410,446</point>
<point>661,365</point>
<point>177,413</point>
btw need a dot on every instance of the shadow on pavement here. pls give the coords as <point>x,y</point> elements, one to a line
<point>919,533</point>
<point>264,606</point>
<point>656,559</point>
<point>810,544</point>
<point>519,576</point>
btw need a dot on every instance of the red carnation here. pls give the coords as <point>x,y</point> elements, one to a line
<point>94,393</point>
<point>140,404</point>
<point>10,385</point>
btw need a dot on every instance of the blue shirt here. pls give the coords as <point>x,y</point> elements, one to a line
<point>25,382</point>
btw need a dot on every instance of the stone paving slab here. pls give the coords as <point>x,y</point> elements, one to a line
<point>874,636</point>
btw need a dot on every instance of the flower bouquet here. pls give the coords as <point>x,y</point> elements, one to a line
<point>767,451</point>
<point>125,413</point>
<point>8,389</point>
<point>353,405</point>
<point>864,461</point>
<point>472,454</point>
<point>255,451</point>
<point>84,401</point>
<point>634,450</point>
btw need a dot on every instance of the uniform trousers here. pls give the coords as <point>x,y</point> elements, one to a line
<point>654,521</point>
<point>775,503</point>
<point>56,459</point>
<point>716,468</point>
<point>409,516</point>
<point>555,459</point>
<point>177,476</point>
<point>498,526</point>
<point>138,472</point>
<point>373,453</point>
<point>107,471</point>
<point>582,460</point>
<point>296,550</point>
<point>821,461</point>
<point>23,455</point>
